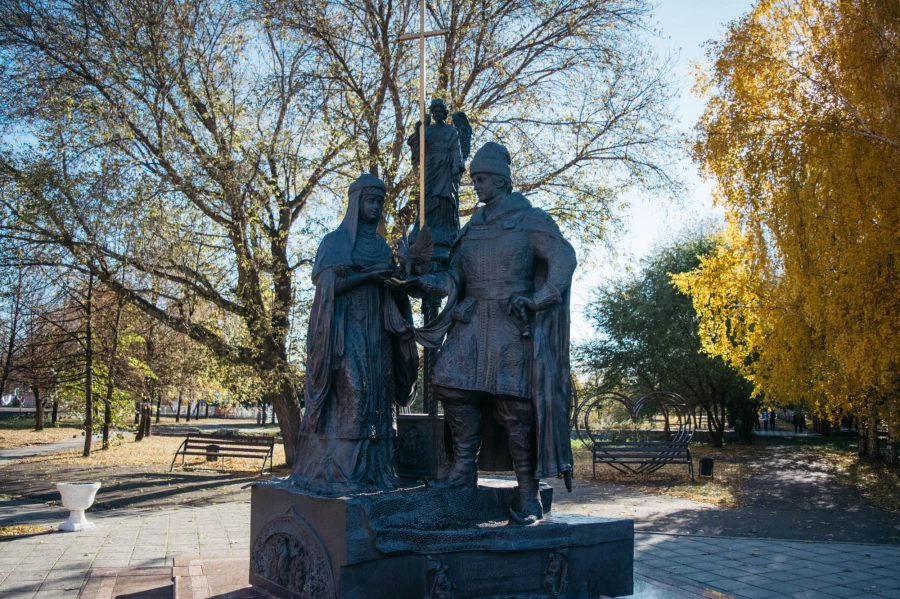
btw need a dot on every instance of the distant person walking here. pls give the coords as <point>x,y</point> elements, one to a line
<point>772,418</point>
<point>765,419</point>
<point>796,421</point>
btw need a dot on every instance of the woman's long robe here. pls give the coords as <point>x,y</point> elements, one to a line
<point>361,358</point>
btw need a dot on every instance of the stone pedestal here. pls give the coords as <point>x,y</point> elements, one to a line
<point>423,543</point>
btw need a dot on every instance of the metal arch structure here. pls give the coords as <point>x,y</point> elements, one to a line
<point>635,455</point>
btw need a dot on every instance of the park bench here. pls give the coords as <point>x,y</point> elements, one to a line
<point>645,456</point>
<point>633,450</point>
<point>217,447</point>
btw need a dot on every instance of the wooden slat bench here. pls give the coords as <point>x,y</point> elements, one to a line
<point>648,456</point>
<point>218,447</point>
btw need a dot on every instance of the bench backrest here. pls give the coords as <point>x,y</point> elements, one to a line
<point>195,439</point>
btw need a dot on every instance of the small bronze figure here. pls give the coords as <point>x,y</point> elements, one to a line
<point>446,150</point>
<point>361,356</point>
<point>506,351</point>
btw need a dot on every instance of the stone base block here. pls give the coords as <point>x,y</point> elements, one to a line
<point>423,543</point>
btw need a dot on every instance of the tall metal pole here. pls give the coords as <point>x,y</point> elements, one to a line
<point>430,306</point>
<point>422,115</point>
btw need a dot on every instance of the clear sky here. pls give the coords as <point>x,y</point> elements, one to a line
<point>685,25</point>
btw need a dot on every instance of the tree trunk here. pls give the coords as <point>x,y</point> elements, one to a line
<point>88,370</point>
<point>148,416</point>
<point>188,411</point>
<point>719,439</point>
<point>54,412</point>
<point>747,422</point>
<point>872,448</point>
<point>140,429</point>
<point>107,421</point>
<point>197,411</point>
<point>38,409</point>
<point>284,402</point>
<point>262,413</point>
<point>667,429</point>
<point>158,406</point>
<point>206,405</point>
<point>892,454</point>
<point>178,409</point>
<point>13,331</point>
<point>107,409</point>
<point>716,428</point>
<point>861,441</point>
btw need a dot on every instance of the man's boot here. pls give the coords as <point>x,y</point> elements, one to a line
<point>530,508</point>
<point>521,448</point>
<point>465,426</point>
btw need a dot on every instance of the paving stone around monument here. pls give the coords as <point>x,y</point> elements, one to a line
<point>56,564</point>
<point>783,501</point>
<point>759,568</point>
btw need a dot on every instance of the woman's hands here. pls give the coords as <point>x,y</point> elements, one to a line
<point>378,273</point>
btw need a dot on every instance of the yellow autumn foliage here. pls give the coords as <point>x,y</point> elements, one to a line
<point>801,135</point>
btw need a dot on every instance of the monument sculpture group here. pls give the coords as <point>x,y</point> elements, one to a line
<point>342,525</point>
<point>495,302</point>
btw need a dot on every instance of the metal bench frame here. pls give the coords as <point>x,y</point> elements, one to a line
<point>227,446</point>
<point>637,457</point>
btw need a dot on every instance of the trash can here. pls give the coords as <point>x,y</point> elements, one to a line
<point>706,466</point>
<point>212,453</point>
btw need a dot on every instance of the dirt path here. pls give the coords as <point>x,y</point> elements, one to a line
<point>10,455</point>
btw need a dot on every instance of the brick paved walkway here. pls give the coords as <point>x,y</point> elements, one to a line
<point>56,564</point>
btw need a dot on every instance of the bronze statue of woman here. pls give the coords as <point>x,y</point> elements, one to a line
<point>361,356</point>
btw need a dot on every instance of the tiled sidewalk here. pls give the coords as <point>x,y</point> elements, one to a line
<point>760,568</point>
<point>55,565</point>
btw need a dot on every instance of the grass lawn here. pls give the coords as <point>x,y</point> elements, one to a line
<point>19,432</point>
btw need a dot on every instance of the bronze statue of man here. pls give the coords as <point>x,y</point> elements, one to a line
<point>446,150</point>
<point>502,372</point>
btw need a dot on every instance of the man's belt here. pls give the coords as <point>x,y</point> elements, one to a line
<point>498,290</point>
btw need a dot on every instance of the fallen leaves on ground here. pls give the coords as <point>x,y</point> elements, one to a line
<point>723,490</point>
<point>155,453</point>
<point>19,530</point>
<point>876,481</point>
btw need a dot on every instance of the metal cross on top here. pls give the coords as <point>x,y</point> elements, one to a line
<point>421,35</point>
